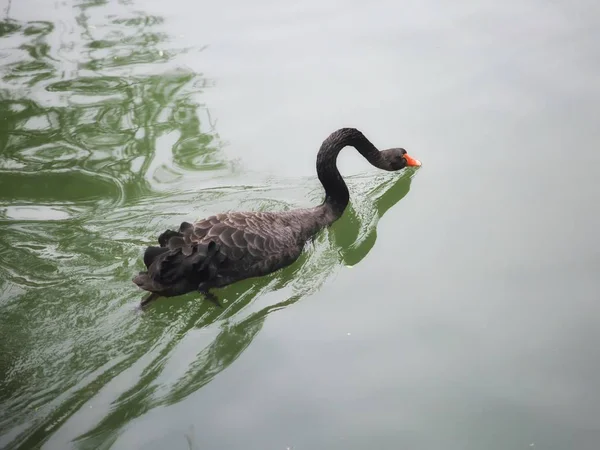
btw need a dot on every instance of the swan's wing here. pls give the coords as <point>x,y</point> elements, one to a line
<point>254,235</point>
<point>220,249</point>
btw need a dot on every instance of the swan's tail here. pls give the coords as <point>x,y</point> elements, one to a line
<point>177,267</point>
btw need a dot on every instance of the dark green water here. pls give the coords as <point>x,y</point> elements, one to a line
<point>452,307</point>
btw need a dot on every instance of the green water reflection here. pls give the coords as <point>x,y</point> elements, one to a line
<point>93,164</point>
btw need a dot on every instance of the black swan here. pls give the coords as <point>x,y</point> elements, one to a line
<point>229,247</point>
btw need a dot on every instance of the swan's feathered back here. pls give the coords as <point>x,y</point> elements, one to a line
<point>224,248</point>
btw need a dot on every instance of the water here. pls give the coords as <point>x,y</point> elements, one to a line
<point>451,307</point>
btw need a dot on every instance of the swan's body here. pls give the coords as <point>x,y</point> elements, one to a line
<point>229,247</point>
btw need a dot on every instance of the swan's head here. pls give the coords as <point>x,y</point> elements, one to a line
<point>397,159</point>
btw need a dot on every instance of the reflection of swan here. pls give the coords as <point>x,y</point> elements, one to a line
<point>225,248</point>
<point>356,235</point>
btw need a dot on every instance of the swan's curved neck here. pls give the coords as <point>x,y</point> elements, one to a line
<point>336,191</point>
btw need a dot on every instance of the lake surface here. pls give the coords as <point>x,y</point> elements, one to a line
<point>452,307</point>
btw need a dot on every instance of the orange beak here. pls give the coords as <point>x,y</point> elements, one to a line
<point>412,162</point>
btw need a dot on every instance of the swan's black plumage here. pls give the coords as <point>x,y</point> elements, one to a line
<point>225,248</point>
